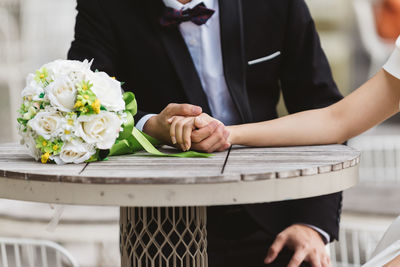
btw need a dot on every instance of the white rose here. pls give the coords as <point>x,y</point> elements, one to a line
<point>101,129</point>
<point>75,70</point>
<point>32,89</point>
<point>76,151</point>
<point>29,142</point>
<point>47,124</point>
<point>62,93</point>
<point>108,91</point>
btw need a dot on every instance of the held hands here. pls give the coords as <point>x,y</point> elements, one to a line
<point>185,126</point>
<point>202,133</point>
<point>306,243</point>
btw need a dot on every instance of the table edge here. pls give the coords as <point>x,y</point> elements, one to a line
<point>147,195</point>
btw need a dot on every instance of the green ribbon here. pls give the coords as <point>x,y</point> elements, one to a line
<point>131,140</point>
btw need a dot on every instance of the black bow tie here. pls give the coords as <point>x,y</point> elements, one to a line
<point>199,15</point>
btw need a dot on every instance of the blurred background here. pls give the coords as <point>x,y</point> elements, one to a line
<point>357,35</point>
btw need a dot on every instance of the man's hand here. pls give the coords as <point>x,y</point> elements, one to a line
<point>306,243</point>
<point>159,127</point>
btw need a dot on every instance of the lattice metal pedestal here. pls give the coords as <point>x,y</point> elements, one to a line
<point>163,237</point>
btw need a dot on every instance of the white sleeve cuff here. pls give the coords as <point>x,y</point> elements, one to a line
<point>140,124</point>
<point>324,234</point>
<point>392,66</point>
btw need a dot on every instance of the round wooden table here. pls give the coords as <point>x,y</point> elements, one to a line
<point>163,200</point>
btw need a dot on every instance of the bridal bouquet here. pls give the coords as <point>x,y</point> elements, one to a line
<point>70,114</point>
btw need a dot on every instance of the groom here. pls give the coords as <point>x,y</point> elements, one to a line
<point>232,58</point>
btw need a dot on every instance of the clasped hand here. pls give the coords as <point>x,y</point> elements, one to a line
<point>186,127</point>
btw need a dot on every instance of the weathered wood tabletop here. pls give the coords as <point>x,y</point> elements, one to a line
<point>251,175</point>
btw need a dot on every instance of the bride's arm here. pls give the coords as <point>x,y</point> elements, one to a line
<point>393,263</point>
<point>372,103</point>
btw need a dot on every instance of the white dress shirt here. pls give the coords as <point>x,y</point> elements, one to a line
<point>204,44</point>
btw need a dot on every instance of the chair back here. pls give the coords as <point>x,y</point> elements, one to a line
<point>18,252</point>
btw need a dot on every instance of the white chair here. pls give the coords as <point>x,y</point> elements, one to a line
<point>15,252</point>
<point>377,48</point>
<point>90,233</point>
<point>380,160</point>
<point>356,243</point>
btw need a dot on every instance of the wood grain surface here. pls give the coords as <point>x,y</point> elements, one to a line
<point>244,164</point>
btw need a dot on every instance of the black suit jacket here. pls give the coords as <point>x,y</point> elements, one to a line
<point>126,40</point>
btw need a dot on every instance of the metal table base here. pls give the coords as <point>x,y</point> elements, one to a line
<point>163,237</point>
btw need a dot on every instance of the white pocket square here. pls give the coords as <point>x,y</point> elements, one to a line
<point>259,60</point>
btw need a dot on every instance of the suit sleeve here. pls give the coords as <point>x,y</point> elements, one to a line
<point>307,83</point>
<point>94,39</point>
<point>306,79</point>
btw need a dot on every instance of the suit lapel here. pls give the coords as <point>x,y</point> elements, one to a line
<point>232,43</point>
<point>180,57</point>
<point>184,66</point>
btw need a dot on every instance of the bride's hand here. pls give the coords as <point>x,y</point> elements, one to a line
<point>181,131</point>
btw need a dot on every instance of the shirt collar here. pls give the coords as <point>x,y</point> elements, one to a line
<point>175,4</point>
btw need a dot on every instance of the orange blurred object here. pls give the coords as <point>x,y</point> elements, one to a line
<point>387,13</point>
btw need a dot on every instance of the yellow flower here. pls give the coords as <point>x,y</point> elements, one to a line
<point>83,109</point>
<point>45,157</point>
<point>44,143</point>
<point>67,132</point>
<point>84,87</point>
<point>41,76</point>
<point>55,147</point>
<point>86,97</point>
<point>96,106</point>
<point>78,104</point>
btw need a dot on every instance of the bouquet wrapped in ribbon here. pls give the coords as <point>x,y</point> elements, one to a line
<point>70,114</point>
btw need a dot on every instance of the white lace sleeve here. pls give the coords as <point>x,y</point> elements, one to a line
<point>393,64</point>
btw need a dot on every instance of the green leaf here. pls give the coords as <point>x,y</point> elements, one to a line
<point>22,121</point>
